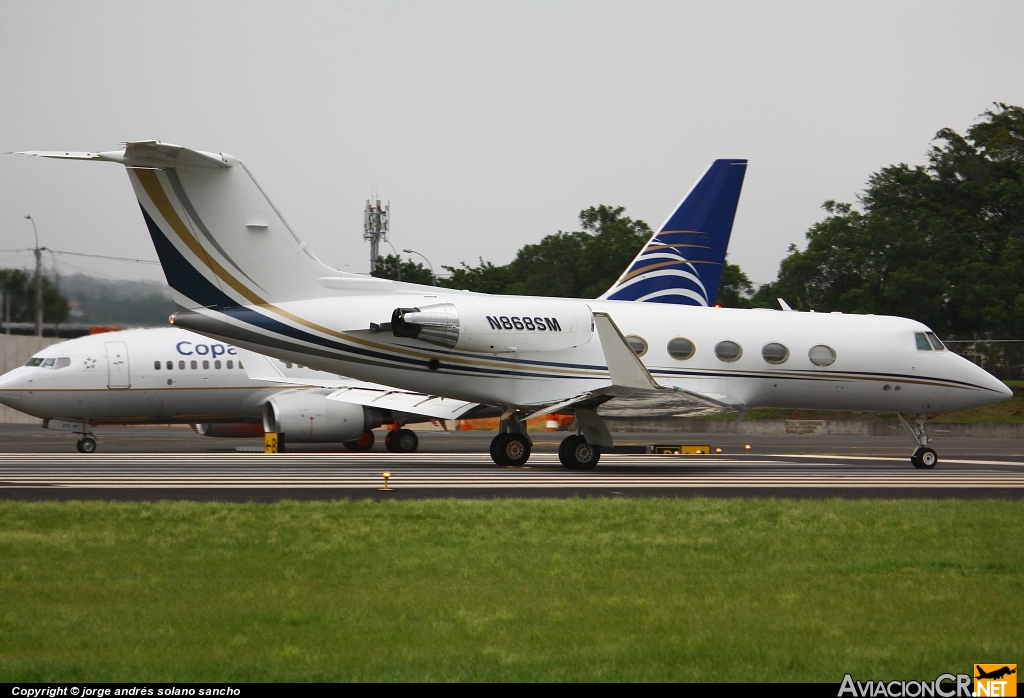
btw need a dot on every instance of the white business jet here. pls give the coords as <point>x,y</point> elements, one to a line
<point>172,376</point>
<point>119,377</point>
<point>242,275</point>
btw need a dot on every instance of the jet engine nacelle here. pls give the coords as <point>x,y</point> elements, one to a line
<point>308,416</point>
<point>230,430</point>
<point>498,325</point>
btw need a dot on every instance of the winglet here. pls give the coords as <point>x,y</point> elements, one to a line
<point>784,305</point>
<point>624,366</point>
<point>259,367</point>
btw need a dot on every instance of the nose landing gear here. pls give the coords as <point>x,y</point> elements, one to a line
<point>86,445</point>
<point>924,457</point>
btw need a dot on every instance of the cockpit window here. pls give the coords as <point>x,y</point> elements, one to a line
<point>48,363</point>
<point>62,362</point>
<point>34,361</point>
<point>936,344</point>
<point>922,342</point>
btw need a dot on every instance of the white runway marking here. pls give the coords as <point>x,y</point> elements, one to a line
<point>471,470</point>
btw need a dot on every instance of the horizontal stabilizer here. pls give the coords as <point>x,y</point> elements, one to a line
<point>146,154</point>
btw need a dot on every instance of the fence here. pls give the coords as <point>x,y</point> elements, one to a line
<point>1002,357</point>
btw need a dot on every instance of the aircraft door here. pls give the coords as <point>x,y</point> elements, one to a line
<point>118,372</point>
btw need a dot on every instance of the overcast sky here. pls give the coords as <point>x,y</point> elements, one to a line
<point>488,125</point>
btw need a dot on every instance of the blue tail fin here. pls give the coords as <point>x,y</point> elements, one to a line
<point>682,262</point>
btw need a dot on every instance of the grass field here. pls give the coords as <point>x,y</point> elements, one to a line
<point>600,589</point>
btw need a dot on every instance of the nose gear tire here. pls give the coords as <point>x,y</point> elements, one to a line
<point>924,458</point>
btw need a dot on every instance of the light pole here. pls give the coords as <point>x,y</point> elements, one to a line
<point>39,280</point>
<point>397,257</point>
<point>433,278</point>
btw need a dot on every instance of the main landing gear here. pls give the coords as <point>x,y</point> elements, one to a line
<point>576,454</point>
<point>402,441</point>
<point>924,456</point>
<point>580,451</point>
<point>512,445</point>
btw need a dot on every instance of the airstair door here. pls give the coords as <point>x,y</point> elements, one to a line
<point>118,375</point>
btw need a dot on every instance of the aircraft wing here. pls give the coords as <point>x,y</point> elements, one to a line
<point>263,368</point>
<point>634,392</point>
<point>404,401</point>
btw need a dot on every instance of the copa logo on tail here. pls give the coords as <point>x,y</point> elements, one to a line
<point>682,262</point>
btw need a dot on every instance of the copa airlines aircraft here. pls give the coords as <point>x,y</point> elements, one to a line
<point>242,275</point>
<point>172,376</point>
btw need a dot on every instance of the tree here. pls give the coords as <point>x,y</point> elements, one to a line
<point>395,268</point>
<point>942,243</point>
<point>581,264</point>
<point>734,288</point>
<point>18,288</point>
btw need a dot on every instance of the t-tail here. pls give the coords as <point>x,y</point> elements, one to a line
<point>682,262</point>
<point>220,240</point>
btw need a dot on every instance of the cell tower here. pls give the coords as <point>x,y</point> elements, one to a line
<point>375,227</point>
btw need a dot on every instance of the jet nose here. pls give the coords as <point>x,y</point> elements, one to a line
<point>999,390</point>
<point>9,382</point>
<point>11,379</point>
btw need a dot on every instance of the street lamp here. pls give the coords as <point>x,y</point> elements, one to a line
<point>39,279</point>
<point>396,257</point>
<point>434,278</point>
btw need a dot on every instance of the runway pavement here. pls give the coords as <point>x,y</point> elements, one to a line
<point>259,477</point>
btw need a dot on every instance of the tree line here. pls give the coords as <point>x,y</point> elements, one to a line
<point>18,298</point>
<point>942,243</point>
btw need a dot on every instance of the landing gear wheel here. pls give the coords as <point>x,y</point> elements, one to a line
<point>510,449</point>
<point>86,445</point>
<point>363,443</point>
<point>402,441</point>
<point>497,449</point>
<point>924,458</point>
<point>576,454</point>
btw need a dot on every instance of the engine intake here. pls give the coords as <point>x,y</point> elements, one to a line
<point>308,416</point>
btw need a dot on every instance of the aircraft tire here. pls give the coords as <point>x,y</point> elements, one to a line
<point>514,449</point>
<point>363,443</point>
<point>576,454</point>
<point>498,449</point>
<point>86,445</point>
<point>401,441</point>
<point>924,458</point>
<point>561,449</point>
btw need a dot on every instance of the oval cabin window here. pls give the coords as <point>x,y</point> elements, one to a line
<point>681,348</point>
<point>822,355</point>
<point>728,351</point>
<point>637,344</point>
<point>775,353</point>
